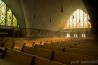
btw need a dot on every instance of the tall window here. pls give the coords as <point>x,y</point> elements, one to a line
<point>7,18</point>
<point>68,35</point>
<point>78,19</point>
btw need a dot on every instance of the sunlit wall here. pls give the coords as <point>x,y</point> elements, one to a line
<point>78,19</point>
<point>7,18</point>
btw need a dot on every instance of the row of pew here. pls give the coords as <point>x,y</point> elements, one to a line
<point>13,57</point>
<point>66,53</point>
<point>59,56</point>
<point>11,54</point>
<point>44,55</point>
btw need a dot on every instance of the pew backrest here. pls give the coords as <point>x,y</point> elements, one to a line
<point>44,53</point>
<point>17,57</point>
<point>68,58</point>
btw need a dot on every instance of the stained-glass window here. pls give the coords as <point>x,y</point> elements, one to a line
<point>7,18</point>
<point>79,19</point>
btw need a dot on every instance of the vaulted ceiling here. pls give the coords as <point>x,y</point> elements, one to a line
<point>44,14</point>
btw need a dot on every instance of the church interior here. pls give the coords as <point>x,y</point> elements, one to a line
<point>50,32</point>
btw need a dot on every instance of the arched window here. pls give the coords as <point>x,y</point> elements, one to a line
<point>7,18</point>
<point>78,19</point>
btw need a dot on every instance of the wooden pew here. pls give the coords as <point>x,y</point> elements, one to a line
<point>3,62</point>
<point>19,46</point>
<point>54,48</point>
<point>82,51</point>
<point>77,45</point>
<point>13,57</point>
<point>17,58</point>
<point>8,45</point>
<point>41,61</point>
<point>1,44</point>
<point>2,51</point>
<point>44,53</point>
<point>69,58</point>
<point>63,44</point>
<point>86,47</point>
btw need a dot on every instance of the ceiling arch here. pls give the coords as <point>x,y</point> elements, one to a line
<point>44,14</point>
